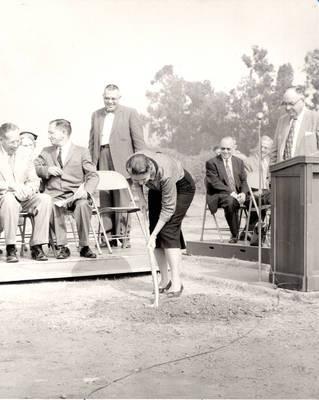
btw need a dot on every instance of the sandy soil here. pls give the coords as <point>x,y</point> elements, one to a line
<point>99,339</point>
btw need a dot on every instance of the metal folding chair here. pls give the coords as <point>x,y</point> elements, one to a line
<point>112,180</point>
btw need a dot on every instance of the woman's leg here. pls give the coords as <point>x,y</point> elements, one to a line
<point>174,259</point>
<point>163,267</point>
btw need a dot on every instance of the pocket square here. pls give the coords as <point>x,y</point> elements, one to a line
<point>308,133</point>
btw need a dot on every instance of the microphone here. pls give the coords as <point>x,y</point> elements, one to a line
<point>260,116</point>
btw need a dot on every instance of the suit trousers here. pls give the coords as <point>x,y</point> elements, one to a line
<point>10,208</point>
<point>230,206</point>
<point>82,214</point>
<point>114,223</point>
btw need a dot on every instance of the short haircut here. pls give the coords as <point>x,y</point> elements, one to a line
<point>7,127</point>
<point>267,139</point>
<point>62,124</point>
<point>297,88</point>
<point>111,86</point>
<point>138,164</point>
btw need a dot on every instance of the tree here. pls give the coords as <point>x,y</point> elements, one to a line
<point>186,116</point>
<point>312,80</point>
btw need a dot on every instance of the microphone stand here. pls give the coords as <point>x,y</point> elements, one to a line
<point>259,117</point>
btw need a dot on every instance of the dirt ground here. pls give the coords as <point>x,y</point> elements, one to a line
<point>99,339</point>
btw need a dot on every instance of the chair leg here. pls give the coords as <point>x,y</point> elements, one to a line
<point>125,232</point>
<point>101,226</point>
<point>218,229</point>
<point>203,223</point>
<point>22,233</point>
<point>95,238</point>
<point>71,220</point>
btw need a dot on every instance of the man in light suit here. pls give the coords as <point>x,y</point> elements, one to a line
<point>226,184</point>
<point>297,131</point>
<point>69,177</point>
<point>19,186</point>
<point>116,133</point>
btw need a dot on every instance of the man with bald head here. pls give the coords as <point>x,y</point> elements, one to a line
<point>226,184</point>
<point>297,131</point>
<point>116,133</point>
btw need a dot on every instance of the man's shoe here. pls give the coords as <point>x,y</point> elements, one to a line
<point>175,294</point>
<point>62,252</point>
<point>11,253</point>
<point>37,253</point>
<point>233,240</point>
<point>87,252</point>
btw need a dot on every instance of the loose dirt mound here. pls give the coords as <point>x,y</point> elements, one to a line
<point>187,309</point>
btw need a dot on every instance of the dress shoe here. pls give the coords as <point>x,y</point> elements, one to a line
<point>175,294</point>
<point>37,253</point>
<point>11,253</point>
<point>62,252</point>
<point>1,251</point>
<point>233,239</point>
<point>87,252</point>
<point>165,289</point>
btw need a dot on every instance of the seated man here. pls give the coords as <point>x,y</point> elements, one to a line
<point>252,168</point>
<point>226,185</point>
<point>19,186</point>
<point>69,177</point>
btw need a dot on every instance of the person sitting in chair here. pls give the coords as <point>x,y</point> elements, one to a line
<point>69,177</point>
<point>226,184</point>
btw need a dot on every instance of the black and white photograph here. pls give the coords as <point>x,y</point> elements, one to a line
<point>159,199</point>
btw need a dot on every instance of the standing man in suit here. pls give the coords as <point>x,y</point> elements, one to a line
<point>226,184</point>
<point>116,133</point>
<point>297,131</point>
<point>19,186</point>
<point>68,174</point>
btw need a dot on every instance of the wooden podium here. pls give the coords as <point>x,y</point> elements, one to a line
<point>295,223</point>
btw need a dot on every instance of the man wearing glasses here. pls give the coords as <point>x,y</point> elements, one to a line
<point>297,131</point>
<point>226,184</point>
<point>116,133</point>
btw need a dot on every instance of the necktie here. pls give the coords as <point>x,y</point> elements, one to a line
<point>59,158</point>
<point>288,147</point>
<point>230,177</point>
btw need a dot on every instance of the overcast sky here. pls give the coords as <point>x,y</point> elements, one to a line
<point>57,55</point>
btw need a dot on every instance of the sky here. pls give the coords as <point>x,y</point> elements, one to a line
<point>58,55</point>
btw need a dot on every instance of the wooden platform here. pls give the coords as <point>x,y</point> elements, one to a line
<point>227,250</point>
<point>122,261</point>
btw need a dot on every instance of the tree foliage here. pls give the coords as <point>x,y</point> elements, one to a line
<point>312,80</point>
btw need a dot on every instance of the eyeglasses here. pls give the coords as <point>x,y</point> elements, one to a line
<point>290,103</point>
<point>225,148</point>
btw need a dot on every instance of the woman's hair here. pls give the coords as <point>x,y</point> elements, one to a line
<point>138,164</point>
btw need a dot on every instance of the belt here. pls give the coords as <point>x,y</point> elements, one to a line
<point>105,146</point>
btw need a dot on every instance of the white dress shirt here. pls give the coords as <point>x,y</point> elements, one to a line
<point>64,151</point>
<point>297,131</point>
<point>108,123</point>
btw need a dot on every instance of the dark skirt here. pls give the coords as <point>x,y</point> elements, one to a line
<point>171,236</point>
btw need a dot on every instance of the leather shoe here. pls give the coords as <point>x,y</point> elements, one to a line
<point>165,289</point>
<point>62,252</point>
<point>233,240</point>
<point>175,294</point>
<point>37,253</point>
<point>11,253</point>
<point>87,252</point>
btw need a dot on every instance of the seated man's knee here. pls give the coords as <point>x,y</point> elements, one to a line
<point>9,200</point>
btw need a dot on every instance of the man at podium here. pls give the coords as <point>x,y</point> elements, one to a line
<point>297,131</point>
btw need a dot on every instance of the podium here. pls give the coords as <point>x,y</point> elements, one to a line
<point>295,223</point>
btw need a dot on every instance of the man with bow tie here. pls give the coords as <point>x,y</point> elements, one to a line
<point>19,187</point>
<point>69,177</point>
<point>116,133</point>
<point>297,131</point>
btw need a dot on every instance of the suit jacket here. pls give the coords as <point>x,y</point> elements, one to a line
<point>23,173</point>
<point>307,141</point>
<point>125,139</point>
<point>217,182</point>
<point>78,168</point>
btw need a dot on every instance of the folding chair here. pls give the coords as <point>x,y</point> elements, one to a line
<point>220,230</point>
<point>112,180</point>
<point>253,207</point>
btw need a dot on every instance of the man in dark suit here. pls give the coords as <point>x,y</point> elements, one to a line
<point>226,184</point>
<point>69,177</point>
<point>116,133</point>
<point>297,131</point>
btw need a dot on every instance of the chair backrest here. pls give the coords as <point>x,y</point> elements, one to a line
<point>111,180</point>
